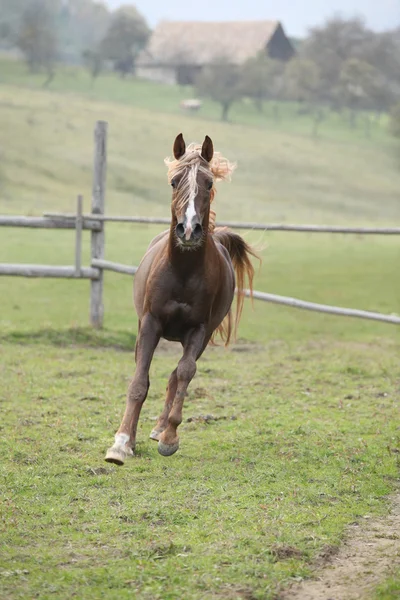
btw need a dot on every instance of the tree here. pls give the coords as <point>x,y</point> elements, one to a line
<point>302,84</point>
<point>259,79</point>
<point>302,81</point>
<point>331,45</point>
<point>340,40</point>
<point>394,123</point>
<point>10,15</point>
<point>358,86</point>
<point>126,36</point>
<point>37,38</point>
<point>82,24</point>
<point>94,61</point>
<point>5,32</point>
<point>220,81</point>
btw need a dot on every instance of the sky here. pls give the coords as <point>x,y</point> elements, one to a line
<point>295,16</point>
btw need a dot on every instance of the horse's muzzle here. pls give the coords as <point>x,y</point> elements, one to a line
<point>187,235</point>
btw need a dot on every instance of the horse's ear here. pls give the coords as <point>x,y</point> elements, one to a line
<point>207,150</point>
<point>179,146</point>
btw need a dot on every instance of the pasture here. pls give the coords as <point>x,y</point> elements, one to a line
<point>288,437</point>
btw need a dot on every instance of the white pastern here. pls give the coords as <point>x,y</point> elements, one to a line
<point>121,440</point>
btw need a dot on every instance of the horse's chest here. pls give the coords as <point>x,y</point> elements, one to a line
<point>176,310</point>
<point>181,313</point>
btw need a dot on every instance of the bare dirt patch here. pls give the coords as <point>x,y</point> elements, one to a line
<point>369,553</point>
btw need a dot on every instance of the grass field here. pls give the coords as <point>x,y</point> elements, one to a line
<point>304,435</point>
<point>166,99</point>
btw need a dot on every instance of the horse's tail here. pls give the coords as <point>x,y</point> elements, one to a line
<point>240,253</point>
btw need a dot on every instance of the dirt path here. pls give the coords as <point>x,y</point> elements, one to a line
<point>370,551</point>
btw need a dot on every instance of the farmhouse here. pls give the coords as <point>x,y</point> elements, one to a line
<point>177,51</point>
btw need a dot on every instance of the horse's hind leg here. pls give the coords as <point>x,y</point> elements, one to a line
<point>125,437</point>
<point>193,347</point>
<point>163,419</point>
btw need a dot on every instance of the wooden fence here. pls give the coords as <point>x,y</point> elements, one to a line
<point>95,221</point>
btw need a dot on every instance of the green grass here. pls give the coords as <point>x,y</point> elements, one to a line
<point>304,437</point>
<point>390,590</point>
<point>305,411</point>
<point>241,510</point>
<point>47,149</point>
<point>166,98</point>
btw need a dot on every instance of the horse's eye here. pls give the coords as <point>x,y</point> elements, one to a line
<point>210,184</point>
<point>173,183</point>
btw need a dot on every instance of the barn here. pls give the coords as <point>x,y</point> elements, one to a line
<point>178,51</point>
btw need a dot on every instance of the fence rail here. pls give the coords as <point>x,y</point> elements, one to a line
<point>274,298</point>
<point>325,308</point>
<point>237,225</point>
<point>108,265</point>
<point>95,222</point>
<point>49,222</point>
<point>68,272</point>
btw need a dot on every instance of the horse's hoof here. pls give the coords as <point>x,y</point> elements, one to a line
<point>167,449</point>
<point>155,434</point>
<point>117,456</point>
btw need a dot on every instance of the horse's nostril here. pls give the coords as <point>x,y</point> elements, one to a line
<point>180,230</point>
<point>198,230</point>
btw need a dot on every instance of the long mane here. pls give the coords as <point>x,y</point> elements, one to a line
<point>192,162</point>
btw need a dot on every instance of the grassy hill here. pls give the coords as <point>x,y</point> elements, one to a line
<point>283,173</point>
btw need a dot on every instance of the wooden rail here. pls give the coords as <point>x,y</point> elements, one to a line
<point>325,308</point>
<point>285,300</point>
<point>49,222</point>
<point>78,237</point>
<point>68,272</point>
<point>236,225</point>
<point>107,265</point>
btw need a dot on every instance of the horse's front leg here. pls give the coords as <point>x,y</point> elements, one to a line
<point>163,419</point>
<point>194,345</point>
<point>125,438</point>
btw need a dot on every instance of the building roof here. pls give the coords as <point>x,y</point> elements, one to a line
<point>200,43</point>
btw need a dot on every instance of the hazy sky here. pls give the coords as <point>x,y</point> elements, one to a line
<point>379,14</point>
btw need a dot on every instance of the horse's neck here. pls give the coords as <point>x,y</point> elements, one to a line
<point>189,261</point>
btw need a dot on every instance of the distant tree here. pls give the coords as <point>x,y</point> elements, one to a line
<point>332,44</point>
<point>382,51</point>
<point>340,40</point>
<point>302,81</point>
<point>259,79</point>
<point>82,24</point>
<point>37,37</point>
<point>93,61</point>
<point>10,15</point>
<point>220,81</point>
<point>5,32</point>
<point>358,86</point>
<point>394,123</point>
<point>126,36</point>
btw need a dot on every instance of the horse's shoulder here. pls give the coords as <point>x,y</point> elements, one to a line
<point>159,237</point>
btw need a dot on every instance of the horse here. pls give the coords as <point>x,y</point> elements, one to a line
<point>183,290</point>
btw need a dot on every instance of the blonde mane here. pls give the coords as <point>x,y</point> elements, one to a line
<point>192,162</point>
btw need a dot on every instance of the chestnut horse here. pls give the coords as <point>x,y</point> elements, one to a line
<point>183,291</point>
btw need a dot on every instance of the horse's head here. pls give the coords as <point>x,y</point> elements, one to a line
<point>192,182</point>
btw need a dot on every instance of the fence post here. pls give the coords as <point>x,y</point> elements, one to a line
<point>78,237</point>
<point>98,198</point>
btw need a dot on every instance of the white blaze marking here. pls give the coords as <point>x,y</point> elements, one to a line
<point>191,210</point>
